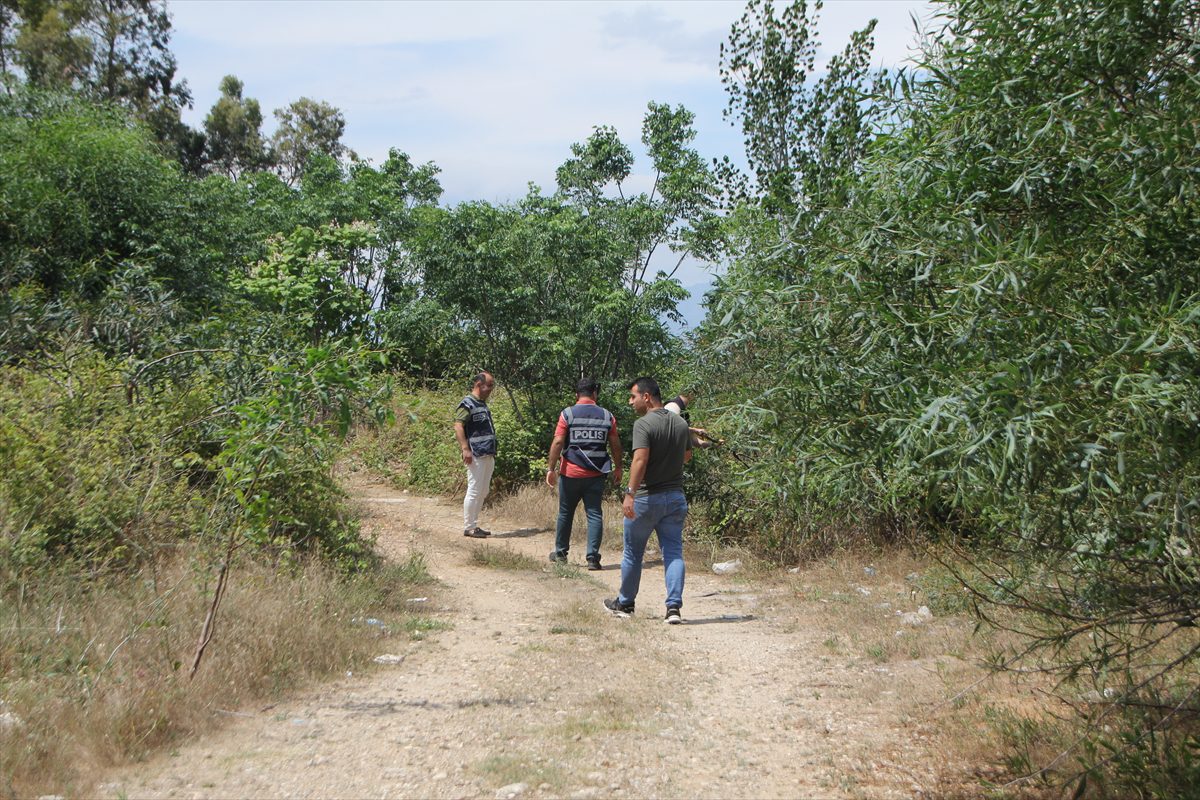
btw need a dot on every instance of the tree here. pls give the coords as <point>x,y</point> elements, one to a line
<point>306,128</point>
<point>8,31</point>
<point>997,338</point>
<point>114,50</point>
<point>675,220</point>
<point>307,278</point>
<point>233,130</point>
<point>801,135</point>
<point>531,283</point>
<point>109,50</point>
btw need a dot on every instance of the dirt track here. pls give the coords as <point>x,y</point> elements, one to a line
<point>534,685</point>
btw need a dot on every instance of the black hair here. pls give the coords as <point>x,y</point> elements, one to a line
<point>480,377</point>
<point>587,387</point>
<point>646,385</point>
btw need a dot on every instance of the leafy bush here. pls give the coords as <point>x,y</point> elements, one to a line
<point>990,325</point>
<point>88,474</point>
<point>101,473</point>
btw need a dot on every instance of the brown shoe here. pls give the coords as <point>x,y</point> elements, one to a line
<point>477,533</point>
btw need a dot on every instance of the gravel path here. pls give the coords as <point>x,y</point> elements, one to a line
<point>534,692</point>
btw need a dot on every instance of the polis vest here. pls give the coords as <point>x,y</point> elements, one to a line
<point>588,426</point>
<point>480,433</point>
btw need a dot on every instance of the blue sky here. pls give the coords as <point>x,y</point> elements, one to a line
<point>494,93</point>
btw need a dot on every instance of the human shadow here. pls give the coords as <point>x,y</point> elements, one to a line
<point>723,619</point>
<point>521,533</point>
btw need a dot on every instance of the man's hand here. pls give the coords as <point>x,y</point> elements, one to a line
<point>616,476</point>
<point>466,454</point>
<point>551,475</point>
<point>627,507</point>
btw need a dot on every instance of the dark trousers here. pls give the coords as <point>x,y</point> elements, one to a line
<point>570,492</point>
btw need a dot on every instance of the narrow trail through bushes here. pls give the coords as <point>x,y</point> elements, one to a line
<point>769,690</point>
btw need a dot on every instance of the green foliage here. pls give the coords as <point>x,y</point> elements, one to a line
<point>278,451</point>
<point>306,279</point>
<point>87,474</point>
<point>992,327</point>
<point>79,191</point>
<point>89,208</point>
<point>112,51</point>
<point>417,448</point>
<point>233,131</point>
<point>802,136</point>
<point>106,475</point>
<point>306,128</point>
<point>553,288</point>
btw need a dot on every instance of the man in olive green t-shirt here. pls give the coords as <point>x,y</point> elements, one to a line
<point>654,499</point>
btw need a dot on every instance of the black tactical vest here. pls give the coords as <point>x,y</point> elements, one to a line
<point>481,435</point>
<point>588,426</point>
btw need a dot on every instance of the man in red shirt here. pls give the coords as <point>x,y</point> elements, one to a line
<point>585,436</point>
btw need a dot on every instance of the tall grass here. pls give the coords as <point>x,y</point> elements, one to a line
<point>93,672</point>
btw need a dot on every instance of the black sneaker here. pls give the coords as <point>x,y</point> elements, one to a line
<point>617,609</point>
<point>673,616</point>
<point>594,564</point>
<point>557,558</point>
<point>477,533</point>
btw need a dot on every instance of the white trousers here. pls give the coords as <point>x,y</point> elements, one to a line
<point>479,481</point>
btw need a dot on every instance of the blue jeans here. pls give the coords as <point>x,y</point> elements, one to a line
<point>570,492</point>
<point>664,512</point>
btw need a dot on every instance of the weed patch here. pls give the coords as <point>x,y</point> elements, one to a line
<point>502,558</point>
<point>95,669</point>
<point>502,770</point>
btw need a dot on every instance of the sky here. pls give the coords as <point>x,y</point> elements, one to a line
<point>494,93</point>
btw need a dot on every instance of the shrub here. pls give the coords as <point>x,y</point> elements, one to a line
<point>88,474</point>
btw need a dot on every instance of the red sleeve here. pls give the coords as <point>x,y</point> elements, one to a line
<point>612,432</point>
<point>561,428</point>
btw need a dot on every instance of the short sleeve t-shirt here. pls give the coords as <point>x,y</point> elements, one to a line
<point>667,437</point>
<point>568,469</point>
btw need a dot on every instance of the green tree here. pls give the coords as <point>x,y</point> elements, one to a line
<point>306,128</point>
<point>996,337</point>
<point>111,50</point>
<point>802,133</point>
<point>234,132</point>
<point>8,32</point>
<point>651,233</point>
<point>530,283</point>
<point>309,279</point>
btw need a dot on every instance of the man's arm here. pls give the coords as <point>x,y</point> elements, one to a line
<point>556,448</point>
<point>460,433</point>
<point>614,448</point>
<point>637,472</point>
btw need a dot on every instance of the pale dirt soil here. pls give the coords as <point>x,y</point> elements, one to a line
<point>768,690</point>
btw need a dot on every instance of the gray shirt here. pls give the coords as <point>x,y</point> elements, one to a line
<point>668,438</point>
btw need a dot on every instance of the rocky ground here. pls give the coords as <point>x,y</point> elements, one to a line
<point>792,685</point>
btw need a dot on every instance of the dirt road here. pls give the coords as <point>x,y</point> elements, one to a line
<point>768,690</point>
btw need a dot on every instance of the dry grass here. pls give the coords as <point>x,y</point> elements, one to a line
<point>537,504</point>
<point>580,618</point>
<point>531,768</point>
<point>500,557</point>
<point>95,671</point>
<point>854,601</point>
